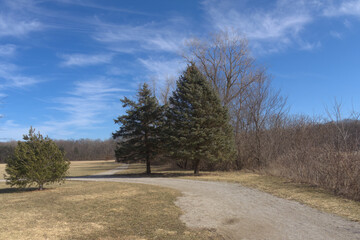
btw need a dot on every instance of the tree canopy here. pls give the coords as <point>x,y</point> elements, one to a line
<point>36,160</point>
<point>199,128</point>
<point>139,133</point>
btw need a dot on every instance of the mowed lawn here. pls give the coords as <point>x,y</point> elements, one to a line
<point>93,210</point>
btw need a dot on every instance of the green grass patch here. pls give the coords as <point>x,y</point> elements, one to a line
<point>94,210</point>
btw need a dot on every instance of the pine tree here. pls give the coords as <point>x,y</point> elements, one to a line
<point>37,160</point>
<point>199,127</point>
<point>139,133</point>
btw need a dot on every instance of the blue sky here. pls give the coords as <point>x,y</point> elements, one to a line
<point>64,64</point>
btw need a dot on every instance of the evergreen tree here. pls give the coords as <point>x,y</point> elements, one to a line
<point>199,127</point>
<point>139,133</point>
<point>37,160</point>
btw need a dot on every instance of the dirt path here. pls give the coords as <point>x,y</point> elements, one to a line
<point>238,212</point>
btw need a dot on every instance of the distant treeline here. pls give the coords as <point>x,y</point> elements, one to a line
<point>82,149</point>
<point>6,150</point>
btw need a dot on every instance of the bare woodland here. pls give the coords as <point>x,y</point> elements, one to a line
<point>323,152</point>
<point>87,149</point>
<point>81,149</point>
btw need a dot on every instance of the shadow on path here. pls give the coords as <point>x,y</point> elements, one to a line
<point>139,175</point>
<point>117,173</point>
<point>17,190</point>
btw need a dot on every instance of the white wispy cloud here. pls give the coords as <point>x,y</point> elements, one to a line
<point>335,34</point>
<point>88,101</point>
<point>13,26</point>
<point>272,28</point>
<point>163,68</point>
<point>9,130</point>
<point>116,71</point>
<point>150,37</point>
<point>308,46</point>
<point>85,59</point>
<point>100,88</point>
<point>87,106</point>
<point>91,4</point>
<point>11,77</point>
<point>15,23</point>
<point>35,16</point>
<point>7,50</point>
<point>2,95</point>
<point>351,8</point>
<point>278,22</point>
<point>347,24</point>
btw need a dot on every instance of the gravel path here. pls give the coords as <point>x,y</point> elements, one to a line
<point>238,212</point>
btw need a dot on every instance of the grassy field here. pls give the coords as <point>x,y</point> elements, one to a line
<point>81,168</point>
<point>94,210</point>
<point>303,193</point>
<point>2,170</point>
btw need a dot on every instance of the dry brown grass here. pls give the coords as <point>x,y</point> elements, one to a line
<point>304,193</point>
<point>2,170</point>
<point>94,210</point>
<point>81,168</point>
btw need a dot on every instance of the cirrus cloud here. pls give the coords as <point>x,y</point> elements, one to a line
<point>14,27</point>
<point>85,59</point>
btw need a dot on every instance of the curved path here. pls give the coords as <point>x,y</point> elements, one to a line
<point>239,212</point>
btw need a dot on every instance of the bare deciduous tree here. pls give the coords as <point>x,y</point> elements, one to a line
<point>167,89</point>
<point>342,132</point>
<point>243,86</point>
<point>226,62</point>
<point>265,111</point>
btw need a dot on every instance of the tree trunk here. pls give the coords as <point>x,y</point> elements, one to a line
<point>41,187</point>
<point>196,167</point>
<point>148,169</point>
<point>258,149</point>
